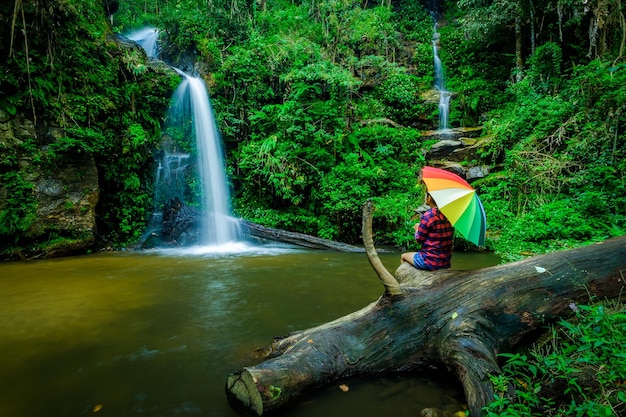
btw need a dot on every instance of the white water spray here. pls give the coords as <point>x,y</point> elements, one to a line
<point>148,39</point>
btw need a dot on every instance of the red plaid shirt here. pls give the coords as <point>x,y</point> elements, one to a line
<point>435,233</point>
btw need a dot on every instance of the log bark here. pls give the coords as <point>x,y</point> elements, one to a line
<point>391,284</point>
<point>179,219</point>
<point>299,239</point>
<point>454,320</point>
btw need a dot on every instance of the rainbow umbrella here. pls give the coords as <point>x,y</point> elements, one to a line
<point>458,201</point>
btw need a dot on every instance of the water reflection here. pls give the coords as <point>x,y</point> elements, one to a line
<point>156,334</point>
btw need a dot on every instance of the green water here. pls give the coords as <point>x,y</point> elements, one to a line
<point>156,334</point>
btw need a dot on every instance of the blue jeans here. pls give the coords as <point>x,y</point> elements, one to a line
<point>418,262</point>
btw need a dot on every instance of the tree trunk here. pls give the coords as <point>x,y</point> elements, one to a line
<point>458,320</point>
<point>180,219</point>
<point>519,56</point>
<point>298,239</point>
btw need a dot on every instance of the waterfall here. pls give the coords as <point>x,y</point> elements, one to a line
<point>170,181</point>
<point>148,39</point>
<point>191,102</point>
<point>191,120</point>
<point>444,95</point>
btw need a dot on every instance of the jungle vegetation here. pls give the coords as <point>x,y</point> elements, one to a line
<point>321,106</point>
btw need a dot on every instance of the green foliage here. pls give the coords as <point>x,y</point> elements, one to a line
<point>344,190</point>
<point>275,392</point>
<point>560,224</point>
<point>321,79</point>
<point>337,190</point>
<point>563,163</point>
<point>474,73</point>
<point>137,14</point>
<point>397,92</point>
<point>579,371</point>
<point>76,142</point>
<point>415,22</point>
<point>320,107</point>
<point>544,71</point>
<point>101,102</point>
<point>19,210</point>
<point>368,172</point>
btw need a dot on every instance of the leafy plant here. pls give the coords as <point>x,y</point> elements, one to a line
<point>579,369</point>
<point>19,210</point>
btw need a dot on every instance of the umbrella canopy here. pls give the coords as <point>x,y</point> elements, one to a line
<point>458,201</point>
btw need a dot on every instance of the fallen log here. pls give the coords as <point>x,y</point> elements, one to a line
<point>454,320</point>
<point>179,219</point>
<point>298,239</point>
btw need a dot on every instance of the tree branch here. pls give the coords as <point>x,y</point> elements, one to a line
<point>391,284</point>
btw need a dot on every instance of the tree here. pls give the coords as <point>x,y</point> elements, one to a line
<point>459,320</point>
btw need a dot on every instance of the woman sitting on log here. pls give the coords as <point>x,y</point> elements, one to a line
<point>435,233</point>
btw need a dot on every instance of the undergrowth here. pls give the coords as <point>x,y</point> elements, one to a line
<point>578,370</point>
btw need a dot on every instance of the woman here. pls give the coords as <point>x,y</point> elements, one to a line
<point>435,233</point>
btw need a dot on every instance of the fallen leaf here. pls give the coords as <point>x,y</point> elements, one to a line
<point>344,387</point>
<point>310,341</point>
<point>97,408</point>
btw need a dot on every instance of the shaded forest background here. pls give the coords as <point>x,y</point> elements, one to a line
<point>322,105</point>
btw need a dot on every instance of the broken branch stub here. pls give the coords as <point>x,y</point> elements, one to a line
<point>391,284</point>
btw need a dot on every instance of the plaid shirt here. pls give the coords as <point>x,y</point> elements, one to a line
<point>435,233</point>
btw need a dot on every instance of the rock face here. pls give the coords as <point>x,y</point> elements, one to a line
<point>66,201</point>
<point>58,199</point>
<point>456,150</point>
<point>56,171</point>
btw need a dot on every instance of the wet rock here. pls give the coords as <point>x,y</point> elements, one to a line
<point>468,173</point>
<point>476,172</point>
<point>468,152</point>
<point>458,151</point>
<point>457,145</point>
<point>443,148</point>
<point>454,167</point>
<point>452,134</point>
<point>61,216</point>
<point>67,198</point>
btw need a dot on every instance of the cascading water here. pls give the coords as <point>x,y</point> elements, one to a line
<point>191,102</point>
<point>191,115</point>
<point>444,95</point>
<point>148,39</point>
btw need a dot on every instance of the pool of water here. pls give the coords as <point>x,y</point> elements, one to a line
<point>157,333</point>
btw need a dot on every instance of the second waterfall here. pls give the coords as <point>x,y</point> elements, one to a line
<point>440,86</point>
